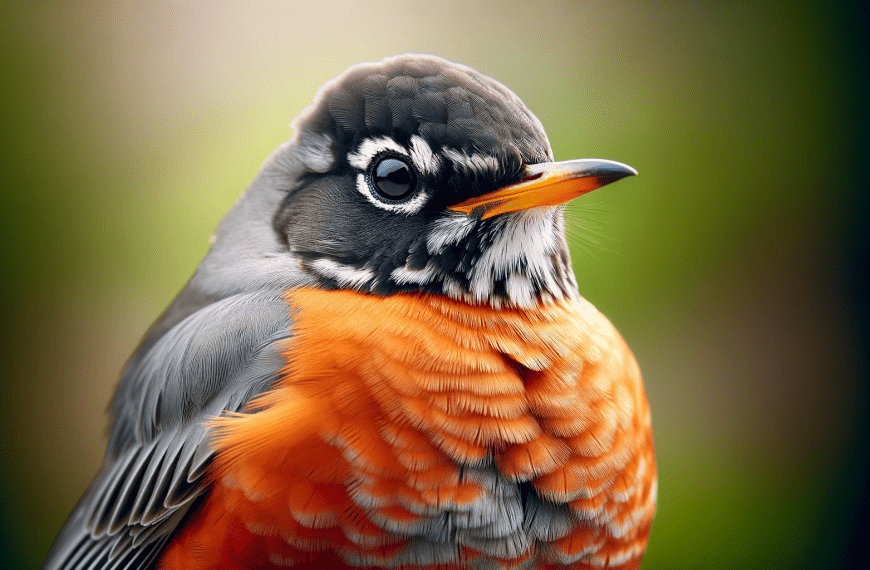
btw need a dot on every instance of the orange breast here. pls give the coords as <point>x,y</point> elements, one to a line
<point>417,431</point>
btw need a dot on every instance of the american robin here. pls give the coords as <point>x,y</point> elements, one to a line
<point>383,361</point>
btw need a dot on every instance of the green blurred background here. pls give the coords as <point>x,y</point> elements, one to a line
<point>735,265</point>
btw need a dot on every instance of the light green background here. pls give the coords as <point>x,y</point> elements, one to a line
<point>730,265</point>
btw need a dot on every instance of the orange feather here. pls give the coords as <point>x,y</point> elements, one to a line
<point>385,402</point>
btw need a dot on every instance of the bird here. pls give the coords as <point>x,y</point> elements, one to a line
<point>384,360</point>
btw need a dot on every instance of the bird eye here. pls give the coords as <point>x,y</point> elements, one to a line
<point>393,178</point>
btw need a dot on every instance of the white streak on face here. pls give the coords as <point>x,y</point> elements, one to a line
<point>412,206</point>
<point>426,161</point>
<point>448,230</point>
<point>405,276</point>
<point>478,164</point>
<point>369,148</point>
<point>519,289</point>
<point>345,275</point>
<point>523,238</point>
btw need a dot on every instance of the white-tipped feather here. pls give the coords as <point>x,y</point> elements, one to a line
<point>345,275</point>
<point>408,207</point>
<point>370,148</point>
<point>424,159</point>
<point>521,252</point>
<point>476,164</point>
<point>448,230</point>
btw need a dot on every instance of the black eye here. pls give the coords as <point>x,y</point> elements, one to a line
<point>393,178</point>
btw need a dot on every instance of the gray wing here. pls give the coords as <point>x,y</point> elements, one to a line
<point>216,358</point>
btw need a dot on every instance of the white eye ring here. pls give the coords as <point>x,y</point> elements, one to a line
<point>407,207</point>
<point>371,150</point>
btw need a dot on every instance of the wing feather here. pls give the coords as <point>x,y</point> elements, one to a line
<point>214,360</point>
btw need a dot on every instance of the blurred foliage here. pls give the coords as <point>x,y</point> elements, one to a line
<point>735,264</point>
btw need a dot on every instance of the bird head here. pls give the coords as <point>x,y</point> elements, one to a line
<point>413,174</point>
<point>428,176</point>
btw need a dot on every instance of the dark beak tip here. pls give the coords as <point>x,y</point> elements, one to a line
<point>616,171</point>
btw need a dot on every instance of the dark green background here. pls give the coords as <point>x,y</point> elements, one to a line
<point>735,265</point>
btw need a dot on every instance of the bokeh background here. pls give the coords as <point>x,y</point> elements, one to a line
<point>735,265</point>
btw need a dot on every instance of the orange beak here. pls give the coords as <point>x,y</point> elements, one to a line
<point>547,184</point>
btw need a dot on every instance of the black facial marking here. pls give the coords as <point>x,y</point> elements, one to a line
<point>371,236</point>
<point>418,255</point>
